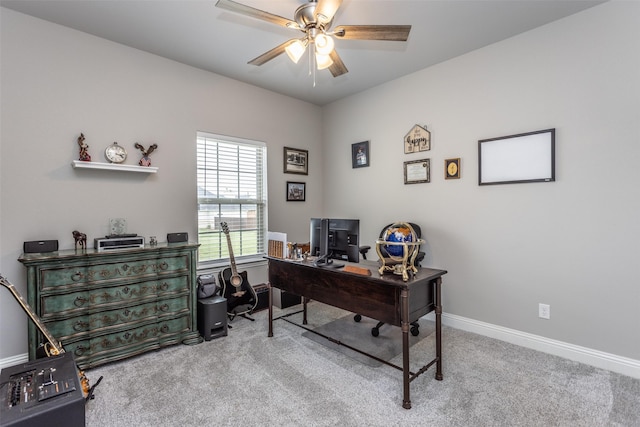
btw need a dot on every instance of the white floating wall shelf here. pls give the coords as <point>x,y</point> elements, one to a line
<point>78,164</point>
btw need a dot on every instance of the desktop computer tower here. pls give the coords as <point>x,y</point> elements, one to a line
<point>212,317</point>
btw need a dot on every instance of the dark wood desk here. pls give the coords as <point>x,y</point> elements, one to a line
<point>385,298</point>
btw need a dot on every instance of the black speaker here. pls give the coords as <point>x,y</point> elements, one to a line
<point>212,317</point>
<point>38,246</point>
<point>177,237</point>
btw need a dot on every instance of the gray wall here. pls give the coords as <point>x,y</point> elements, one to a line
<point>572,243</point>
<point>58,82</point>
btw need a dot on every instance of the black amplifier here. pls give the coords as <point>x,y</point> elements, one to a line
<point>42,392</point>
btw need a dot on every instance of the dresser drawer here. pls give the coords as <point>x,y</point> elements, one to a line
<point>75,328</point>
<point>98,350</point>
<point>104,298</point>
<point>76,275</point>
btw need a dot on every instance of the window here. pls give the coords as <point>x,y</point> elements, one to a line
<point>232,188</point>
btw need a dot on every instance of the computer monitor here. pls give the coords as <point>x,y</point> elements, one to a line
<point>335,238</point>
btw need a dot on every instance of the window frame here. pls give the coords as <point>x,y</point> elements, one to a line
<point>260,202</point>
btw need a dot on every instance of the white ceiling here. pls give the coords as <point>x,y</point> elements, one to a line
<point>197,33</point>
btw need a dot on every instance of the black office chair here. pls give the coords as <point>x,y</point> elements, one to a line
<point>415,326</point>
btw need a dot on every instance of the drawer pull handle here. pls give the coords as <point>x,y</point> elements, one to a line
<point>81,326</point>
<point>164,266</point>
<point>126,312</point>
<point>164,307</point>
<point>76,276</point>
<point>79,302</point>
<point>80,350</point>
<point>164,329</point>
<point>164,286</point>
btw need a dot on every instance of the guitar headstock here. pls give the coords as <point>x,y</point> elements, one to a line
<point>225,227</point>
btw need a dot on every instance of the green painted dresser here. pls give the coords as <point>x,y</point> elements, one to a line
<point>106,306</point>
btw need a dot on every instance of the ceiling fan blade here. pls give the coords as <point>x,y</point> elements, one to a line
<point>268,56</point>
<point>337,68</point>
<point>257,13</point>
<point>373,32</point>
<point>326,9</point>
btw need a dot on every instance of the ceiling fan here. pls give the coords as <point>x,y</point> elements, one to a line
<point>314,19</point>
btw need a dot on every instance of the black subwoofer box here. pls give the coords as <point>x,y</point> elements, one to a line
<point>212,317</point>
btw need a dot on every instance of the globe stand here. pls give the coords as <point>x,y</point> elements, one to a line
<point>399,265</point>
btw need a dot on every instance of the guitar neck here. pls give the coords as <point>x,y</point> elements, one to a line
<point>57,348</point>
<point>232,259</point>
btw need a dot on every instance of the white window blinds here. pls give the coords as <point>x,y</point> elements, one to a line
<point>232,189</point>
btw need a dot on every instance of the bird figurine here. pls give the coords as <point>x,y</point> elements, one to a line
<point>145,160</point>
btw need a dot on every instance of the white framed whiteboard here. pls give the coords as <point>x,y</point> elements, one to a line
<point>526,157</point>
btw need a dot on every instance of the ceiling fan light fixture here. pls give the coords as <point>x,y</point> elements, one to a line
<point>324,44</point>
<point>296,49</point>
<point>323,61</point>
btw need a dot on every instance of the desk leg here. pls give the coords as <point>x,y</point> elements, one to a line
<point>438,297</point>
<point>305,300</point>
<point>404,316</point>
<point>270,309</point>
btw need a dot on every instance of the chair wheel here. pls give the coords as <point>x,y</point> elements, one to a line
<point>357,318</point>
<point>375,332</point>
<point>415,331</point>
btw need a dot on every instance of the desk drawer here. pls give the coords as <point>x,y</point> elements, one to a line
<point>76,275</point>
<point>74,303</point>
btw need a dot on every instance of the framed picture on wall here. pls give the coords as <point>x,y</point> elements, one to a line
<point>416,171</point>
<point>360,154</point>
<point>296,191</point>
<point>526,157</point>
<point>452,168</point>
<point>296,161</point>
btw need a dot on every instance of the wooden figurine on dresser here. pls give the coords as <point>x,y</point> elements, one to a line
<point>80,239</point>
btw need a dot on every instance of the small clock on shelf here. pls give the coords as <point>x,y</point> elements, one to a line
<point>115,153</point>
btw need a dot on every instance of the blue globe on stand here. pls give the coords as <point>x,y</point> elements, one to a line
<point>400,232</point>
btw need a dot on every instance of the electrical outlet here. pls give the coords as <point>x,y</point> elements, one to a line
<point>544,311</point>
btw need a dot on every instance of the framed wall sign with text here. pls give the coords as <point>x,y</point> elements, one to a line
<point>418,139</point>
<point>416,171</point>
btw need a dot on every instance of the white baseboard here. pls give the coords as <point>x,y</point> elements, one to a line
<point>598,359</point>
<point>14,360</point>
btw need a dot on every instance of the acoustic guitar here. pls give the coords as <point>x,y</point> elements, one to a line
<point>240,295</point>
<point>52,347</point>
